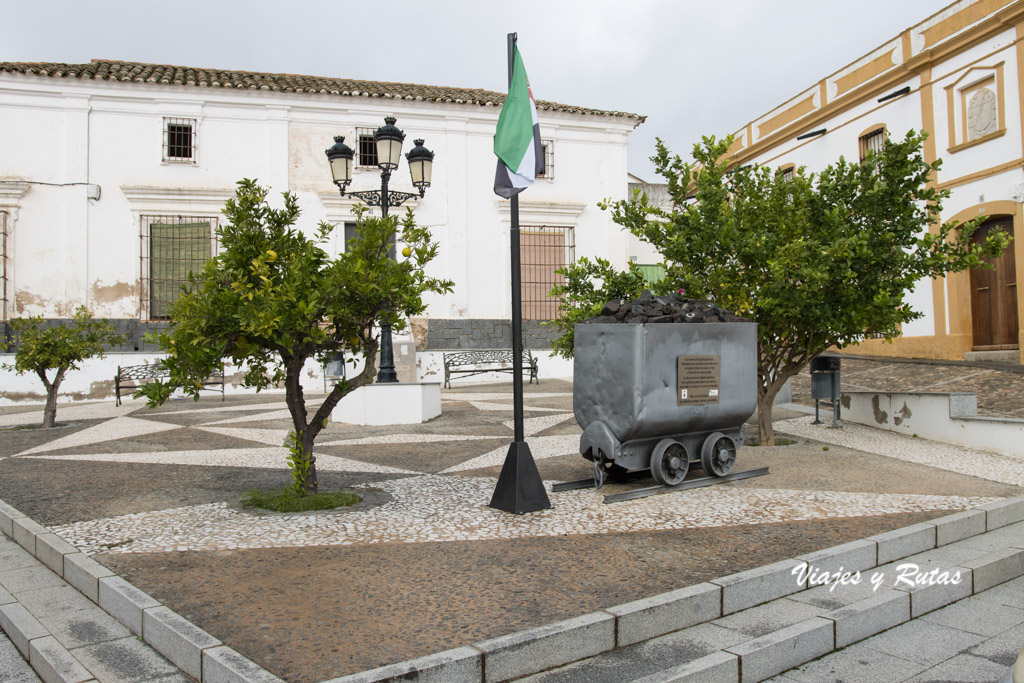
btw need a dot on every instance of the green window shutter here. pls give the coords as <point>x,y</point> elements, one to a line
<point>175,250</point>
<point>653,274</point>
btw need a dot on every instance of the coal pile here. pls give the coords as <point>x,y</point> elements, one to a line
<point>664,309</point>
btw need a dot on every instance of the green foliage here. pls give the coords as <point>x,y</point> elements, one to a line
<point>41,348</point>
<point>822,260</point>
<point>288,500</point>
<point>63,347</point>
<point>588,286</point>
<point>273,298</point>
<point>298,463</point>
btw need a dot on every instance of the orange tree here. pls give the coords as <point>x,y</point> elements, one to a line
<point>62,348</point>
<point>822,260</point>
<point>273,298</point>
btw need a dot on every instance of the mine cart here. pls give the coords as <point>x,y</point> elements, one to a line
<point>668,397</point>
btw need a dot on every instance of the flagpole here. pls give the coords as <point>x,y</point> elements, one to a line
<point>519,488</point>
<point>517,292</point>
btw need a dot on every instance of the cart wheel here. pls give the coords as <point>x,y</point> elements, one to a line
<point>718,455</point>
<point>669,462</point>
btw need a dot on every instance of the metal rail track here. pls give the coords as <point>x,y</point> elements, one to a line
<point>659,489</point>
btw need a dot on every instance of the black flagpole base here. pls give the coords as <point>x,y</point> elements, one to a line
<point>519,488</point>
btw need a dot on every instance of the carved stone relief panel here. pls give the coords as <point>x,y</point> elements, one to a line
<point>982,113</point>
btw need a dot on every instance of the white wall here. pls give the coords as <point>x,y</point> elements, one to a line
<point>66,250</point>
<point>110,134</point>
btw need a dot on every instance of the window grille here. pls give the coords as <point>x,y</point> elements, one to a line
<point>367,147</point>
<point>3,266</point>
<point>542,251</point>
<point>788,173</point>
<point>171,248</point>
<point>548,150</point>
<point>872,143</point>
<point>180,140</point>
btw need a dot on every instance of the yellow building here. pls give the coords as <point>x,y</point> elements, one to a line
<point>959,75</point>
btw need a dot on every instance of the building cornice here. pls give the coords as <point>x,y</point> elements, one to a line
<point>913,67</point>
<point>163,199</point>
<point>542,213</point>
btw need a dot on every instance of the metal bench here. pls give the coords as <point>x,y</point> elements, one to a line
<point>479,361</point>
<point>130,377</point>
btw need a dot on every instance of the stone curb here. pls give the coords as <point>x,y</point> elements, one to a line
<point>655,616</point>
<point>545,647</point>
<point>53,662</point>
<point>658,615</point>
<point>461,665</point>
<point>718,666</point>
<point>178,639</point>
<point>194,651</point>
<point>780,650</point>
<point>868,617</point>
<point>523,653</point>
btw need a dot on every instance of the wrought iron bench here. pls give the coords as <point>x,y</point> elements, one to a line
<point>130,377</point>
<point>479,361</point>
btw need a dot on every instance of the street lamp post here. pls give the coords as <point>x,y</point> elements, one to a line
<point>388,141</point>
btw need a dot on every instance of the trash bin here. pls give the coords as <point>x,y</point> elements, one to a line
<point>825,385</point>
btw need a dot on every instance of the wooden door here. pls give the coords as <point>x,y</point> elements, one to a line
<point>994,295</point>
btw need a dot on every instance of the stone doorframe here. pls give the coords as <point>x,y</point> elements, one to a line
<point>958,285</point>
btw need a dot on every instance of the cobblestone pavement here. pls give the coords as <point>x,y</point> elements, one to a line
<point>423,564</point>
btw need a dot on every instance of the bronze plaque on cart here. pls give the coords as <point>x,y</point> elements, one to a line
<point>698,380</point>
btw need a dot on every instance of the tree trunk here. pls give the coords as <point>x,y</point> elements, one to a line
<point>308,430</point>
<point>297,407</point>
<point>765,401</point>
<point>312,483</point>
<point>50,411</point>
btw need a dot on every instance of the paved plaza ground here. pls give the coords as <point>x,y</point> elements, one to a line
<point>422,564</point>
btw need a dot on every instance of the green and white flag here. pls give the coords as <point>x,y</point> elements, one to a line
<point>517,138</point>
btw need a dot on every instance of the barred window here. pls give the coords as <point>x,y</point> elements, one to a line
<point>872,142</point>
<point>180,140</point>
<point>548,150</point>
<point>3,266</point>
<point>542,251</point>
<point>172,247</point>
<point>788,172</point>
<point>367,153</point>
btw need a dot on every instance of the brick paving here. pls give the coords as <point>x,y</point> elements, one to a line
<point>423,565</point>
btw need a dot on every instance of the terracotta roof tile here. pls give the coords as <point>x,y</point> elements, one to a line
<point>162,74</point>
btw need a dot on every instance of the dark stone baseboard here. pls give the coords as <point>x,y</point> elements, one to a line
<point>133,330</point>
<point>485,333</point>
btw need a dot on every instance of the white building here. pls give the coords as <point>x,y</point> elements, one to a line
<point>113,175</point>
<point>957,75</point>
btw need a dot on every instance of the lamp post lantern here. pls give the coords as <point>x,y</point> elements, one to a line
<point>388,142</point>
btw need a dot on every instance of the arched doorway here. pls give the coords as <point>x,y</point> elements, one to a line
<point>994,294</point>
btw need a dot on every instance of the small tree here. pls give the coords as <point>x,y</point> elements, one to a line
<point>272,299</point>
<point>588,286</point>
<point>822,260</point>
<point>41,348</point>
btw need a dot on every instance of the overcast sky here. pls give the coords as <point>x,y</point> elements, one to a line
<point>692,67</point>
